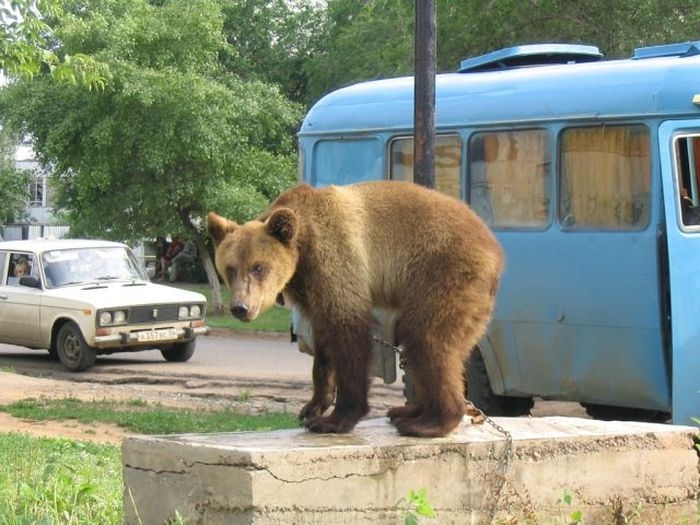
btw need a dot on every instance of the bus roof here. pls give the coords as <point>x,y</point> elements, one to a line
<point>656,81</point>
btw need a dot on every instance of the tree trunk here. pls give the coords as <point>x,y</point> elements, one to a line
<point>203,253</point>
<point>213,278</point>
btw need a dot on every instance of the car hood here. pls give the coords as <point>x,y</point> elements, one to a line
<point>121,293</point>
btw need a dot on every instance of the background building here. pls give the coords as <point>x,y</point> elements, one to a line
<point>39,220</point>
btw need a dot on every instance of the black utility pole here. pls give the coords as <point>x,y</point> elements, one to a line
<point>424,95</point>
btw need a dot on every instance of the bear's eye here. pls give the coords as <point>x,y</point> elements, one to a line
<point>258,271</point>
<point>230,273</point>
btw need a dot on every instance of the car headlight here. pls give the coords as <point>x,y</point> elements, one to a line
<point>105,318</point>
<point>112,317</point>
<point>189,311</point>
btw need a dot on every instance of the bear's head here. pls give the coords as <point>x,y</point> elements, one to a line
<point>255,259</point>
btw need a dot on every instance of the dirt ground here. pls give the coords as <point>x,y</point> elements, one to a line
<point>16,387</point>
<point>245,395</point>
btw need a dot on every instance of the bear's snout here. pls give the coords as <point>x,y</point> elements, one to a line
<point>240,312</point>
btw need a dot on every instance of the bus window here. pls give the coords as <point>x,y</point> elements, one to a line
<point>509,173</point>
<point>605,175</point>
<point>687,150</point>
<point>345,161</point>
<point>448,161</point>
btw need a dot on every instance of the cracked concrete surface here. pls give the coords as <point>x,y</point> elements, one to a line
<point>472,476</point>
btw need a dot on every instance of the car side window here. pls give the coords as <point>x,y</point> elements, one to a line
<point>21,264</point>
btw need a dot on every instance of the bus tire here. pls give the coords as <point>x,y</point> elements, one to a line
<point>615,413</point>
<point>478,390</point>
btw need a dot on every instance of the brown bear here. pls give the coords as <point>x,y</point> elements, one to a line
<point>338,251</point>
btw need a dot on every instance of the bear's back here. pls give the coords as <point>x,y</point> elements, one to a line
<point>397,232</point>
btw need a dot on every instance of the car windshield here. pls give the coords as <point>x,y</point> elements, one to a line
<point>90,265</point>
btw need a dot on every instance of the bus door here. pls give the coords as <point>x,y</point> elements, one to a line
<point>680,167</point>
<point>578,312</point>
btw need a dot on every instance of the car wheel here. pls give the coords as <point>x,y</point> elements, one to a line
<point>72,350</point>
<point>478,390</point>
<point>178,352</point>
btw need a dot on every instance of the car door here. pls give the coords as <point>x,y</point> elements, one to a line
<point>20,306</point>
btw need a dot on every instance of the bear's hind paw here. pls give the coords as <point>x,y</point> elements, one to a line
<point>424,427</point>
<point>403,412</point>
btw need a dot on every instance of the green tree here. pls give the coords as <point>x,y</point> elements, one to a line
<point>13,182</point>
<point>169,138</point>
<point>27,45</point>
<point>365,39</point>
<point>270,40</point>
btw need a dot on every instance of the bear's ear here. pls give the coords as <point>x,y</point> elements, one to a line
<point>282,225</point>
<point>219,227</point>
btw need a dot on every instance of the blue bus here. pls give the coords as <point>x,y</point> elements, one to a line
<point>587,170</point>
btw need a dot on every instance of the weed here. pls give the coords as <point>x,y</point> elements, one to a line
<point>575,517</point>
<point>417,504</point>
<point>243,395</point>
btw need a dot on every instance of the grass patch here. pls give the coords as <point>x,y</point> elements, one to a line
<point>276,319</point>
<point>52,481</point>
<point>144,418</point>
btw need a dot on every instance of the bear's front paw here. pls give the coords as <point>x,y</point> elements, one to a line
<point>311,410</point>
<point>329,425</point>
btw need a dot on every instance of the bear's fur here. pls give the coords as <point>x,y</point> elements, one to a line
<point>336,252</point>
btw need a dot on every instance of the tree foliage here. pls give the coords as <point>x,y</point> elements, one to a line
<point>170,137</point>
<point>27,45</point>
<point>365,39</point>
<point>271,40</point>
<point>13,182</point>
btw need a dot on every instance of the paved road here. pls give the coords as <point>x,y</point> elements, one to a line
<point>228,356</point>
<point>259,373</point>
<point>223,365</point>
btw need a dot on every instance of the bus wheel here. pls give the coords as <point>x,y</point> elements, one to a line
<point>614,413</point>
<point>478,390</point>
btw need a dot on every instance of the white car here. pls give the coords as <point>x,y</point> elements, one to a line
<point>81,298</point>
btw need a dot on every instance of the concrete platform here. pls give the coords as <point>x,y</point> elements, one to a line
<point>647,472</point>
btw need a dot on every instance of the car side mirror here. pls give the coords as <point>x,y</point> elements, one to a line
<point>30,281</point>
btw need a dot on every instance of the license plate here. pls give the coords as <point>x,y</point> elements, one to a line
<point>156,335</point>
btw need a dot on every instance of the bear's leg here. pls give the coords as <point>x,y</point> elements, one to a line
<point>439,378</point>
<point>438,332</point>
<point>349,346</point>
<point>324,387</point>
<point>413,407</point>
